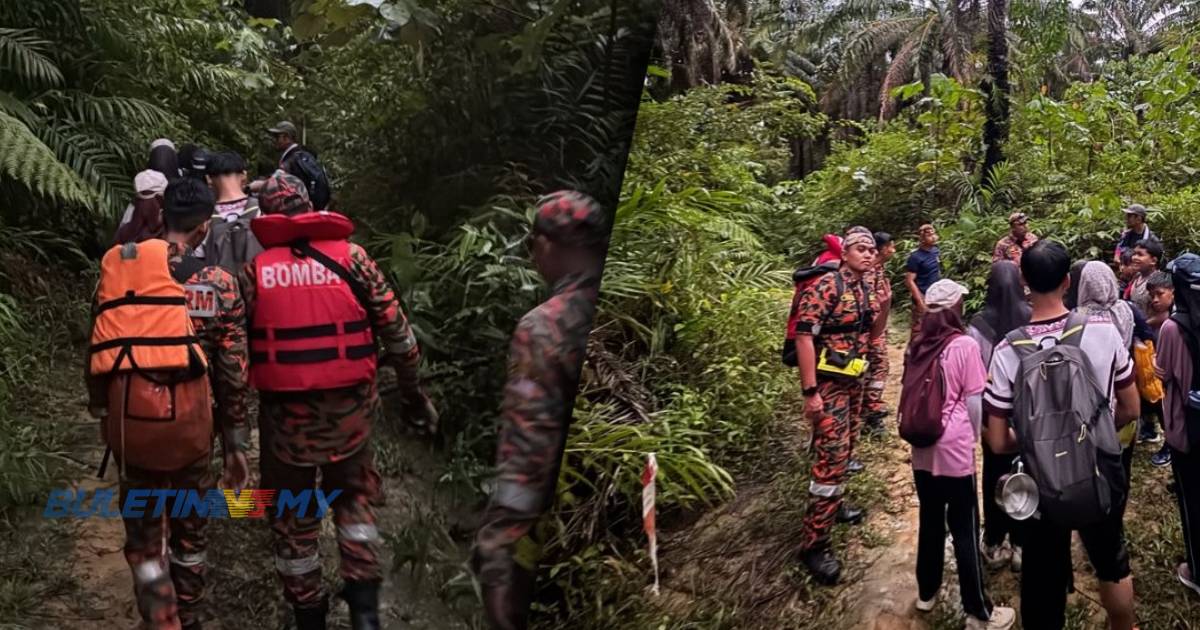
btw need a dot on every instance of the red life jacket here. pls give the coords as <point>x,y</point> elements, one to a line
<point>309,331</point>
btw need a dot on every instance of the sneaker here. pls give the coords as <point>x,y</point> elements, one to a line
<point>1162,458</point>
<point>855,466</point>
<point>850,514</point>
<point>1147,433</point>
<point>1016,559</point>
<point>1003,618</point>
<point>993,555</point>
<point>1185,578</point>
<point>926,606</point>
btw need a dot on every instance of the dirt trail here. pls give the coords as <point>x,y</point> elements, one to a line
<point>243,589</point>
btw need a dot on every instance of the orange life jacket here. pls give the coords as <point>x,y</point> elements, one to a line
<point>142,321</point>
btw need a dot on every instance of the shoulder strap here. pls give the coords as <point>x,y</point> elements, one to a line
<point>1073,329</point>
<point>356,287</point>
<point>1021,342</point>
<point>186,268</point>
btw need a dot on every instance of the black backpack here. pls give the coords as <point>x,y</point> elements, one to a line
<point>1185,275</point>
<point>231,244</point>
<point>304,164</point>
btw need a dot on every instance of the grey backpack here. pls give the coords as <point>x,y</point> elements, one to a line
<point>231,244</point>
<point>1065,428</point>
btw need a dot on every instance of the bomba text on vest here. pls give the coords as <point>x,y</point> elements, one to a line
<point>297,274</point>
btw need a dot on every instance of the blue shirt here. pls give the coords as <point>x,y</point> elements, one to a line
<point>928,267</point>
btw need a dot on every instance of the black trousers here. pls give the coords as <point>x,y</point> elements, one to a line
<point>997,524</point>
<point>1187,492</point>
<point>950,500</point>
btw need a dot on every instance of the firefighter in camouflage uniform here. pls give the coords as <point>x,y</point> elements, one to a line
<point>318,308</point>
<point>171,598</point>
<point>568,242</point>
<point>837,321</point>
<point>881,285</point>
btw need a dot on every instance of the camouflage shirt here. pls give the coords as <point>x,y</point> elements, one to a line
<point>880,284</point>
<point>219,318</point>
<point>822,306</point>
<point>545,359</point>
<point>1008,248</point>
<point>320,427</point>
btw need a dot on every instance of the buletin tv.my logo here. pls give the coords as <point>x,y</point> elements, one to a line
<point>140,502</point>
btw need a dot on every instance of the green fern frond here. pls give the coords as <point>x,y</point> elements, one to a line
<point>26,159</point>
<point>22,53</point>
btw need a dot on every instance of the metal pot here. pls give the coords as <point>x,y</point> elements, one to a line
<point>1017,494</point>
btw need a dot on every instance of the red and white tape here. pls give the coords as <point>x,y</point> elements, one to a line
<point>648,476</point>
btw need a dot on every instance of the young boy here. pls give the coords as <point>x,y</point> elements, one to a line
<point>1162,299</point>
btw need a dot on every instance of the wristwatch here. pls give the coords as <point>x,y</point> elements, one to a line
<point>809,392</point>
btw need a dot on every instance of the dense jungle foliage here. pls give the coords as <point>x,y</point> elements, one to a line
<point>763,124</point>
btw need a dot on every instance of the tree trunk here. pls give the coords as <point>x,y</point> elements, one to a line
<point>996,89</point>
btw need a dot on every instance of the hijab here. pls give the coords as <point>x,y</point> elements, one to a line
<point>1071,299</point>
<point>1098,293</point>
<point>938,328</point>
<point>164,160</point>
<point>1005,308</point>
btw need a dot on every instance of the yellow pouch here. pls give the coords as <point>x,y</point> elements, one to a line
<point>854,368</point>
<point>1125,435</point>
<point>1148,384</point>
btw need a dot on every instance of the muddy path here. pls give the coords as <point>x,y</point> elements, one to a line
<point>736,565</point>
<point>423,524</point>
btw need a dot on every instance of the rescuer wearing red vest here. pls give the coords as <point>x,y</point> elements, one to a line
<point>170,590</point>
<point>570,234</point>
<point>318,307</point>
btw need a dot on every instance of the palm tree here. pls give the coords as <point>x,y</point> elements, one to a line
<point>1132,27</point>
<point>916,39</point>
<point>698,42</point>
<point>996,88</point>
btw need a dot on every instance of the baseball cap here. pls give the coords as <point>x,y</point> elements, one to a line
<point>944,294</point>
<point>569,217</point>
<point>1017,217</point>
<point>1137,209</point>
<point>149,183</point>
<point>284,193</point>
<point>284,127</point>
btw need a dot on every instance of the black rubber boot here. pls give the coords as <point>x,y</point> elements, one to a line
<point>823,566</point>
<point>195,625</point>
<point>850,514</point>
<point>507,604</point>
<point>312,618</point>
<point>363,599</point>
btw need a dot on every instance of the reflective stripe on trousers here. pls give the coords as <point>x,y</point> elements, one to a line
<point>359,532</point>
<point>186,559</point>
<point>149,571</point>
<point>824,489</point>
<point>298,566</point>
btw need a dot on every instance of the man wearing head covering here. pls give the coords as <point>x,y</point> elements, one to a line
<point>1018,239</point>
<point>318,309</point>
<point>302,162</point>
<point>923,268</point>
<point>567,245</point>
<point>1136,229</point>
<point>881,285</point>
<point>170,592</point>
<point>833,335</point>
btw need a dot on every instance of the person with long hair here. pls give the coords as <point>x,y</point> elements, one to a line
<point>145,214</point>
<point>944,473</point>
<point>1004,310</point>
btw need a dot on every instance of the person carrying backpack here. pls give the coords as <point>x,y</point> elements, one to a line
<point>804,278</point>
<point>318,307</point>
<point>1176,365</point>
<point>230,243</point>
<point>874,410</point>
<point>940,413</point>
<point>1004,310</point>
<point>143,219</point>
<point>1059,388</point>
<point>302,162</point>
<point>167,337</point>
<point>834,331</point>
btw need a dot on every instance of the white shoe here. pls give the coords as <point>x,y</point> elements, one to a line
<point>1003,618</point>
<point>926,606</point>
<point>1016,559</point>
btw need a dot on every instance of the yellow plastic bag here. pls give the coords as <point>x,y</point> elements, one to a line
<point>854,368</point>
<point>1148,384</point>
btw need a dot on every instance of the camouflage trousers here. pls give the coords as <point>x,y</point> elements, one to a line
<point>527,464</point>
<point>167,583</point>
<point>297,559</point>
<point>832,441</point>
<point>877,375</point>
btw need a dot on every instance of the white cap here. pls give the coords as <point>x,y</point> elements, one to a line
<point>162,142</point>
<point>944,294</point>
<point>149,183</point>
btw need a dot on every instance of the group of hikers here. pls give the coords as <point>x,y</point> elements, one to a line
<point>1050,378</point>
<point>217,288</point>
